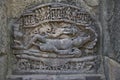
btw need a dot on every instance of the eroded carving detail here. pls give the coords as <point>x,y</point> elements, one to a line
<point>73,65</point>
<point>55,37</point>
<point>55,12</point>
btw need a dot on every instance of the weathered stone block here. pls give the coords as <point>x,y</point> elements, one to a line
<point>112,69</point>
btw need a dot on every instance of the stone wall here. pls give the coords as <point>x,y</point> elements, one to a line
<point>4,39</point>
<point>114,28</point>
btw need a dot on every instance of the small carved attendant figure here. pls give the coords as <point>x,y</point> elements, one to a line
<point>17,35</point>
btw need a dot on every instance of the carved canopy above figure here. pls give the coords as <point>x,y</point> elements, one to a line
<point>56,37</point>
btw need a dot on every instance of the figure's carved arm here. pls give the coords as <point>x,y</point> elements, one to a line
<point>35,38</point>
<point>71,51</point>
<point>18,42</point>
<point>17,45</point>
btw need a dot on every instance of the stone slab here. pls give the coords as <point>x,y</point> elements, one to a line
<point>58,77</point>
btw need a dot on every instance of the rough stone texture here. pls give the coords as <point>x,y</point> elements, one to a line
<point>114,27</point>
<point>106,48</point>
<point>3,69</point>
<point>4,39</point>
<point>111,44</point>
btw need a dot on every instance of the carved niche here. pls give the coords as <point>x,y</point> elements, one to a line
<point>56,38</point>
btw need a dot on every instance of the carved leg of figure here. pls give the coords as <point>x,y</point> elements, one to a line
<point>35,38</point>
<point>51,48</point>
<point>63,51</point>
<point>69,51</point>
<point>18,42</point>
<point>75,51</point>
<point>46,47</point>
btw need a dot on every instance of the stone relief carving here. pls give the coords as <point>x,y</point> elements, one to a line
<point>55,37</point>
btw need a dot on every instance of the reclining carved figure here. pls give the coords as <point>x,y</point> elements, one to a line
<point>60,46</point>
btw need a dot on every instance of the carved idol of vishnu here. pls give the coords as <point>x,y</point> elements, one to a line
<point>59,46</point>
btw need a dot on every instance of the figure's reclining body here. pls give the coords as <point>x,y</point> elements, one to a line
<point>61,46</point>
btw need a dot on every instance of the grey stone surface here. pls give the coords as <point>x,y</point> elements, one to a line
<point>94,78</point>
<point>4,39</point>
<point>3,67</point>
<point>114,27</point>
